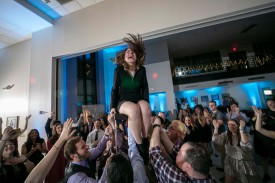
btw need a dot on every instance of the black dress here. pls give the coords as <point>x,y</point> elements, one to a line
<point>265,146</point>
<point>13,173</point>
<point>37,156</point>
<point>128,88</point>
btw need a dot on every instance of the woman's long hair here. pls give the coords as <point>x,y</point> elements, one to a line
<point>55,136</point>
<point>29,140</point>
<point>229,134</point>
<point>136,44</point>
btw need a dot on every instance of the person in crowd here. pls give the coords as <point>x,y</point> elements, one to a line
<point>203,132</point>
<point>130,93</point>
<point>86,128</point>
<point>218,117</point>
<point>182,114</point>
<point>176,132</point>
<point>14,138</point>
<point>191,130</point>
<point>49,125</point>
<point>95,136</point>
<point>192,160</point>
<point>80,157</point>
<point>264,137</point>
<point>39,173</point>
<point>34,147</point>
<point>235,113</point>
<point>13,168</point>
<point>121,170</point>
<point>239,163</point>
<point>56,173</point>
<point>166,121</point>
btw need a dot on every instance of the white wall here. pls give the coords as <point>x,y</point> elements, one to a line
<point>15,69</point>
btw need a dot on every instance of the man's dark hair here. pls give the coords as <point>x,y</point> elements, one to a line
<point>212,101</point>
<point>232,103</point>
<point>198,158</point>
<point>119,170</point>
<point>70,148</point>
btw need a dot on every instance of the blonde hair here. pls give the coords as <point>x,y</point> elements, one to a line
<point>181,128</point>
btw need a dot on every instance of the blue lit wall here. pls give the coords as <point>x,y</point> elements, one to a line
<point>63,90</point>
<point>158,102</point>
<point>109,68</point>
<point>246,94</point>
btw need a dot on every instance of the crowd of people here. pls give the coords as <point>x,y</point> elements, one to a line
<point>140,145</point>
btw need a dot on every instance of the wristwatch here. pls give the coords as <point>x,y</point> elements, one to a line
<point>155,125</point>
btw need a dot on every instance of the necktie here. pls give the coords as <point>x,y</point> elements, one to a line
<point>96,135</point>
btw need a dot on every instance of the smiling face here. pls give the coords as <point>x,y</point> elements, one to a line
<point>233,107</point>
<point>58,129</point>
<point>33,134</point>
<point>130,57</point>
<point>187,121</point>
<point>212,106</point>
<point>270,104</point>
<point>8,149</point>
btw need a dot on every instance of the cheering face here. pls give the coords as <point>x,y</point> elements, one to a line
<point>33,134</point>
<point>212,106</point>
<point>130,56</point>
<point>233,107</point>
<point>270,104</point>
<point>8,149</point>
<point>187,121</point>
<point>58,129</point>
<point>232,126</point>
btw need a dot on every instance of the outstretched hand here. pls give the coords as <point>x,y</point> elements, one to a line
<point>28,117</point>
<point>66,132</point>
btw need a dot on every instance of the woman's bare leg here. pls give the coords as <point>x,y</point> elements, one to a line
<point>132,110</point>
<point>145,117</point>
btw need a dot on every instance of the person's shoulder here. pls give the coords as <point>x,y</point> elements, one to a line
<point>142,67</point>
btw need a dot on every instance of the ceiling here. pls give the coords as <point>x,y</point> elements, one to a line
<point>19,19</point>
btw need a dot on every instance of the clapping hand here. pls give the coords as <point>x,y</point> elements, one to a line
<point>242,124</point>
<point>258,112</point>
<point>216,124</point>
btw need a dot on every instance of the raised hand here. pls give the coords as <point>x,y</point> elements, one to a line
<point>113,111</point>
<point>66,132</point>
<point>242,124</point>
<point>216,124</point>
<point>28,117</point>
<point>258,112</point>
<point>8,132</point>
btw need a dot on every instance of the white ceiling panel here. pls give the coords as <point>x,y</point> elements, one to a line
<point>61,10</point>
<point>3,31</point>
<point>86,3</point>
<point>53,4</point>
<point>72,6</point>
<point>7,40</point>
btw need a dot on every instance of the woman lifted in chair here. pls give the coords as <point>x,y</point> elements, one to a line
<point>130,94</point>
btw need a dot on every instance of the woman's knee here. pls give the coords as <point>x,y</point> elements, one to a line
<point>130,109</point>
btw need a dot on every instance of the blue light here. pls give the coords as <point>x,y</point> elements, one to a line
<point>213,90</point>
<point>44,8</point>
<point>114,49</point>
<point>158,102</point>
<point>251,89</point>
<point>63,92</point>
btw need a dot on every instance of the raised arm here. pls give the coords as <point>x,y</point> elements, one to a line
<point>42,169</point>
<point>25,127</point>
<point>258,125</point>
